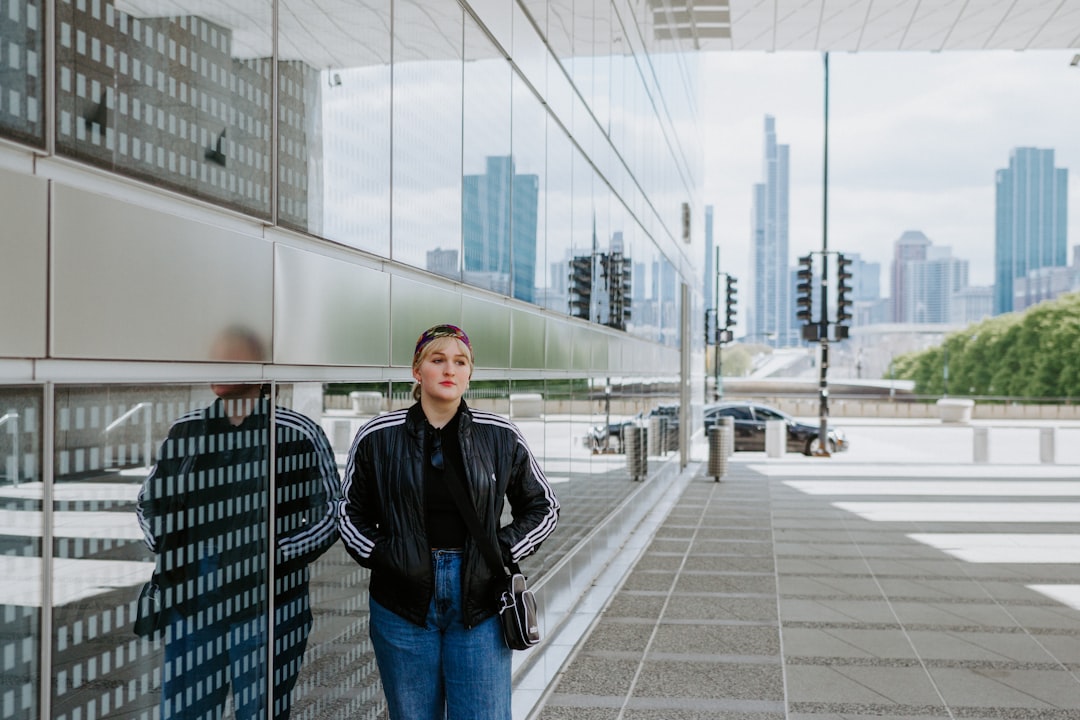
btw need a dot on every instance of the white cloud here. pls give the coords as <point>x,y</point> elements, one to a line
<point>914,142</point>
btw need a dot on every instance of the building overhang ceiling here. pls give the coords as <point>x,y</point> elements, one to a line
<point>871,25</point>
<point>346,33</point>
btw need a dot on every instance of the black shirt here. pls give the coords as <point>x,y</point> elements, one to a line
<point>445,527</point>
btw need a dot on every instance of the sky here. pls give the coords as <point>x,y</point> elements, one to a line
<point>915,139</point>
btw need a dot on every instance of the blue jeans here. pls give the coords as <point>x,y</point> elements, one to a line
<point>442,671</point>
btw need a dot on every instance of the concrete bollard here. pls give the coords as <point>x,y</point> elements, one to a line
<point>657,436</point>
<point>775,438</point>
<point>719,440</point>
<point>635,444</point>
<point>729,422</point>
<point>981,444</point>
<point>1047,445</point>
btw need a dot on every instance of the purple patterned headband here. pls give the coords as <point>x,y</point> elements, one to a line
<point>440,331</point>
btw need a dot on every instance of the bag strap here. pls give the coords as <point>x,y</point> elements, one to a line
<point>472,522</point>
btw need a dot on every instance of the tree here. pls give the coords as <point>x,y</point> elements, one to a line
<point>1033,354</point>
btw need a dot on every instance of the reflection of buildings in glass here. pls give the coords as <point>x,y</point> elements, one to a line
<point>442,262</point>
<point>771,310</point>
<point>22,102</point>
<point>613,303</point>
<point>499,221</point>
<point>163,98</point>
<point>1031,218</point>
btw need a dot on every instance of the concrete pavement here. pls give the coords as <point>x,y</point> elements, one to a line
<point>893,581</point>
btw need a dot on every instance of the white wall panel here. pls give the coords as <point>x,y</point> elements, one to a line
<point>130,283</point>
<point>23,274</point>
<point>527,348</point>
<point>414,307</point>
<point>488,326</point>
<point>329,311</point>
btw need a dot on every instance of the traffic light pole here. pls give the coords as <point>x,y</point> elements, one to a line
<point>823,381</point>
<point>718,391</point>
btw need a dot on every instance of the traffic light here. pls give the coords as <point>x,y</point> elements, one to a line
<point>804,290</point>
<point>843,287</point>
<point>581,272</point>
<point>732,291</point>
<point>627,290</point>
<point>710,327</point>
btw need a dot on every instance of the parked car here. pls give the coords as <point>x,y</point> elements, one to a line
<point>609,438</point>
<point>750,419</point>
<point>613,432</point>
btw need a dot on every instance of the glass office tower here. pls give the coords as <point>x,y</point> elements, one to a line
<point>1030,221</point>
<point>293,177</point>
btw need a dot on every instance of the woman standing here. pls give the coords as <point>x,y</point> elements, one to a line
<point>434,625</point>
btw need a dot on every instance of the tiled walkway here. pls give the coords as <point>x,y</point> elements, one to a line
<point>793,590</point>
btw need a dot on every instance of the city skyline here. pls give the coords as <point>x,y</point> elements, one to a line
<point>915,141</point>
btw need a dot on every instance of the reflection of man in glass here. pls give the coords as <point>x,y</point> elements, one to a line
<point>204,511</point>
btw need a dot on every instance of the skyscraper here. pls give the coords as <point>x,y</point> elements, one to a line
<point>910,247</point>
<point>771,310</point>
<point>1031,220</point>
<point>499,217</point>
<point>925,280</point>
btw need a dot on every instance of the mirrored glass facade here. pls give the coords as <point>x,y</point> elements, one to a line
<point>325,181</point>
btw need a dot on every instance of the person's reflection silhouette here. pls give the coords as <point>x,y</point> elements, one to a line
<point>204,511</point>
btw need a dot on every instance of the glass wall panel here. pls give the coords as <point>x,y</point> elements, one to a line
<point>182,101</point>
<point>560,197</point>
<point>20,562</point>
<point>22,71</point>
<point>490,238</point>
<point>337,677</point>
<point>529,197</point>
<point>334,77</point>
<point>428,51</point>
<point>171,484</point>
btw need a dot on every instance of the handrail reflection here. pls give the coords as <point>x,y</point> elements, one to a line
<point>15,444</point>
<point>148,442</point>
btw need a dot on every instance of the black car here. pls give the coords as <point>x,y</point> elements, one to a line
<point>610,438</point>
<point>750,419</point>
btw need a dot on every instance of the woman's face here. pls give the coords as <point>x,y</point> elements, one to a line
<point>444,371</point>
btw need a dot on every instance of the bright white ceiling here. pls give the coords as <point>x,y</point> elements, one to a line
<point>875,25</point>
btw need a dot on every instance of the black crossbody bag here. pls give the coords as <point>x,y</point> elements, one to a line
<point>517,606</point>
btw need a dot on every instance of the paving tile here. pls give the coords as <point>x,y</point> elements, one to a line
<point>635,605</point>
<point>619,637</point>
<point>733,583</point>
<point>660,561</point>
<point>846,643</point>
<point>1001,688</point>
<point>966,614</point>
<point>710,681</point>
<point>646,580</point>
<point>972,646</point>
<point>554,711</point>
<point>718,639</point>
<point>829,610</point>
<point>718,607</point>
<point>860,685</point>
<point>597,676</point>
<point>729,563</point>
<point>673,714</point>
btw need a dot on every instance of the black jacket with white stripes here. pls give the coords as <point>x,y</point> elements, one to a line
<point>381,519</point>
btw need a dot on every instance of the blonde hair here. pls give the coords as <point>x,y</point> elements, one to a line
<point>432,346</point>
